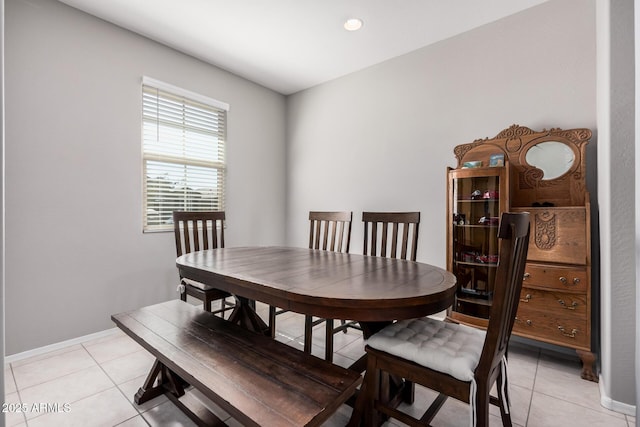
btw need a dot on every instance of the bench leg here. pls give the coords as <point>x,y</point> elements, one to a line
<point>148,391</point>
<point>168,381</point>
<point>172,382</point>
<point>172,385</point>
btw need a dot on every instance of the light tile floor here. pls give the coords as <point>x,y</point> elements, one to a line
<point>93,384</point>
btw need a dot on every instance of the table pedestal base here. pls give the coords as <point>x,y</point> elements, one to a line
<point>244,315</point>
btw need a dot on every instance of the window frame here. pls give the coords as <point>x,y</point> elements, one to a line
<point>188,167</point>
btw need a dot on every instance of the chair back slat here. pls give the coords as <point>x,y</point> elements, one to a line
<point>196,234</point>
<point>374,237</point>
<point>401,242</point>
<point>330,230</point>
<point>394,240</point>
<point>205,237</point>
<point>198,230</point>
<point>337,231</point>
<point>315,231</point>
<point>187,240</point>
<point>405,241</point>
<point>326,237</point>
<point>383,245</point>
<point>514,243</point>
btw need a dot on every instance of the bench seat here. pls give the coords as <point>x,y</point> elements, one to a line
<point>257,380</point>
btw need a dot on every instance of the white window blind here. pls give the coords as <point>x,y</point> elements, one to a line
<point>183,153</point>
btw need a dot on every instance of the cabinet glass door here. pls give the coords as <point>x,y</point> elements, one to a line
<point>476,207</point>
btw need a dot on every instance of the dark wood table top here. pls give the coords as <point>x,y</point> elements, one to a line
<point>323,283</point>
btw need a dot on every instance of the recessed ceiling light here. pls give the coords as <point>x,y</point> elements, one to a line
<point>353,24</point>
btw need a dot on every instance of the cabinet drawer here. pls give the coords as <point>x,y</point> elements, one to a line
<point>558,235</point>
<point>553,277</point>
<point>553,301</point>
<point>565,328</point>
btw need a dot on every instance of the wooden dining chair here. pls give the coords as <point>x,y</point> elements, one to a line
<point>194,231</point>
<point>386,234</point>
<point>455,360</point>
<point>328,231</point>
<point>391,234</point>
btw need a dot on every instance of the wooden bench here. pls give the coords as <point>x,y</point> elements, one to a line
<point>257,380</point>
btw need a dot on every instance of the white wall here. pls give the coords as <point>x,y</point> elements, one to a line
<point>381,139</point>
<point>75,251</point>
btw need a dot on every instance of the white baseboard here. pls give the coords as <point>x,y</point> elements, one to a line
<point>613,405</point>
<point>59,345</point>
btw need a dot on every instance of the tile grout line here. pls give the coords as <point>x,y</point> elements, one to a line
<point>57,378</point>
<point>117,386</point>
<point>585,407</point>
<point>15,383</point>
<point>129,419</point>
<point>561,398</point>
<point>139,414</point>
<point>533,386</point>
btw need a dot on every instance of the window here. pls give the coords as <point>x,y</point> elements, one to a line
<point>183,153</point>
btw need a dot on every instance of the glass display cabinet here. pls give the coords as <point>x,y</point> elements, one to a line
<point>477,197</point>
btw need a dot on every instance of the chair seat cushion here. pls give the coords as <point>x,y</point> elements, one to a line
<point>445,347</point>
<point>198,285</point>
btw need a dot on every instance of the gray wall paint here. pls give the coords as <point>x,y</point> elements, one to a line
<point>636,11</point>
<point>619,384</point>
<point>2,298</point>
<point>381,139</point>
<point>75,248</point>
<point>616,193</point>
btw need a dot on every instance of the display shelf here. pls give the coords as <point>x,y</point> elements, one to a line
<point>475,205</point>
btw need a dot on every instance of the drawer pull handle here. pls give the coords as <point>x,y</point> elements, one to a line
<point>526,298</point>
<point>565,282</point>
<point>566,334</point>
<point>568,307</point>
<point>526,276</point>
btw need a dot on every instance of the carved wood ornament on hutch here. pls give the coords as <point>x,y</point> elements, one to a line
<point>542,173</point>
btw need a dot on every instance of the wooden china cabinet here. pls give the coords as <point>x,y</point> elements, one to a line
<point>542,173</point>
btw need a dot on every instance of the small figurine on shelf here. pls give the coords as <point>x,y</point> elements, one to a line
<point>494,220</point>
<point>496,160</point>
<point>491,194</point>
<point>472,164</point>
<point>459,219</point>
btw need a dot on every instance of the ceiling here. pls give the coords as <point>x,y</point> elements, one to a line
<point>291,45</point>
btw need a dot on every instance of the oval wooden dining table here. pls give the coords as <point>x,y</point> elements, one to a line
<point>371,290</point>
<point>375,291</point>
